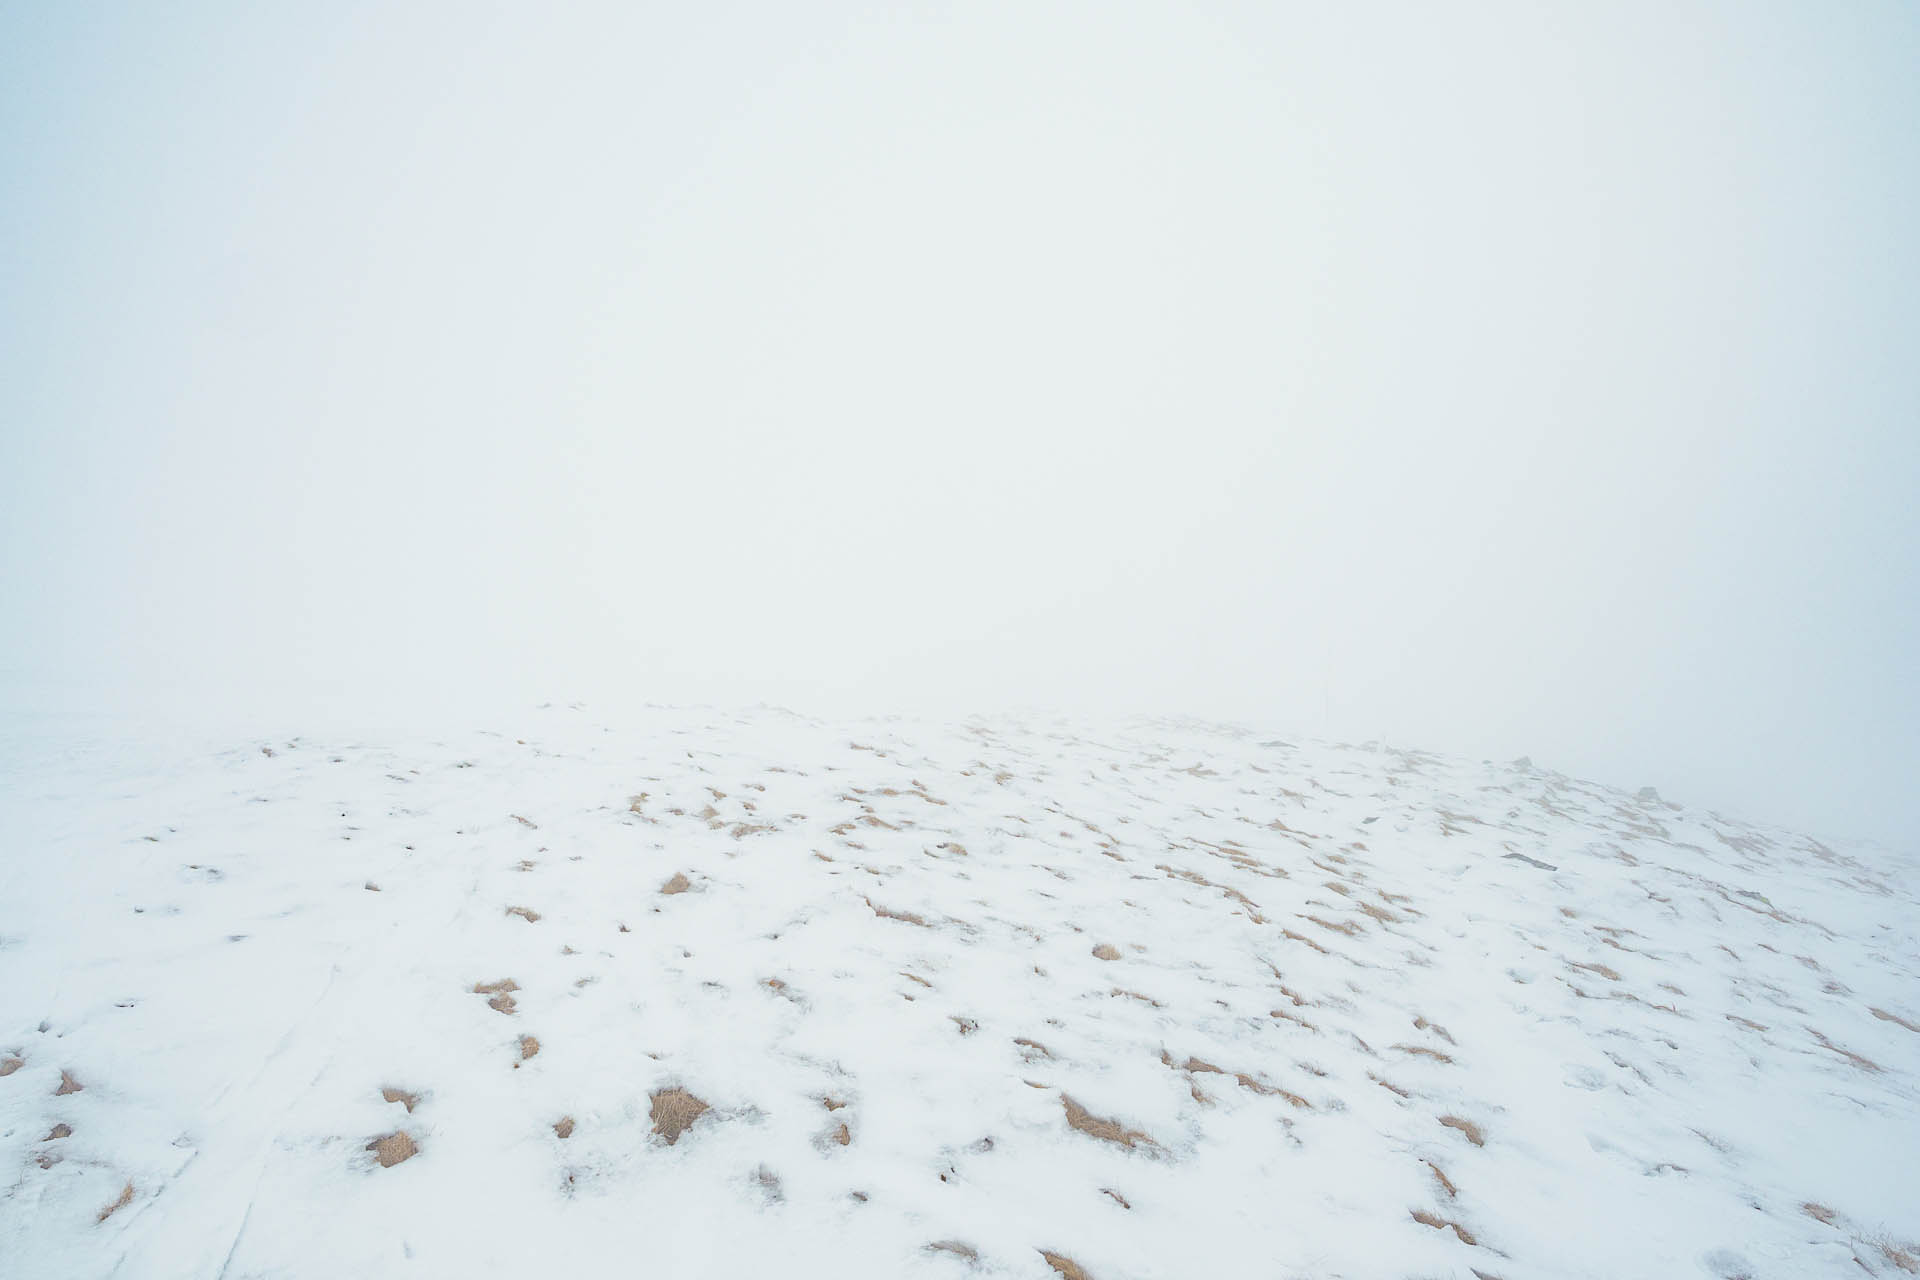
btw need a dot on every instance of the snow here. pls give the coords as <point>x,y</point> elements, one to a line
<point>1687,1046</point>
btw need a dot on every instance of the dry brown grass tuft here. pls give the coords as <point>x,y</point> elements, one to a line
<point>956,1248</point>
<point>1135,995</point>
<point>1066,1266</point>
<point>525,913</point>
<point>409,1100</point>
<point>842,1136</point>
<point>525,822</point>
<point>1421,1024</point>
<point>529,1045</point>
<point>1467,1128</point>
<point>1819,1212</point>
<point>126,1198</point>
<point>1881,1014</point>
<point>1439,1223</point>
<point>1034,1045</point>
<point>674,1110</point>
<point>1598,970</point>
<point>1248,1082</point>
<point>1117,1197</point>
<point>833,1104</point>
<point>1084,1121</point>
<point>1106,951</point>
<point>1348,927</point>
<point>57,1132</point>
<point>678,884</point>
<point>1422,1051</point>
<point>1195,1064</point>
<point>1900,1257</point>
<point>1865,1064</point>
<point>67,1084</point>
<point>393,1148</point>
<point>563,1127</point>
<point>906,917</point>
<point>1446,1183</point>
<point>10,1065</point>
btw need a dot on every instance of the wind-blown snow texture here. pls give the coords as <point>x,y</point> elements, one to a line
<point>1368,1013</point>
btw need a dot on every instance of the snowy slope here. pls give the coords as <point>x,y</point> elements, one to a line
<point>992,999</point>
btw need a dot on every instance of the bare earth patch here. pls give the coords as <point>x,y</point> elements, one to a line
<point>678,884</point>
<point>10,1065</point>
<point>1079,1118</point>
<point>409,1100</point>
<point>674,1110</point>
<point>501,993</point>
<point>59,1131</point>
<point>393,1149</point>
<point>67,1085</point>
<point>563,1127</point>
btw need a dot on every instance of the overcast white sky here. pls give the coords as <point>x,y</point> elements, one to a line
<point>1498,379</point>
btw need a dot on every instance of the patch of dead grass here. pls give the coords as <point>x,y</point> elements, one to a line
<point>1881,1014</point>
<point>525,913</point>
<point>1467,1128</point>
<point>956,1248</point>
<point>1899,1256</point>
<point>1135,995</point>
<point>529,1045</point>
<point>409,1100</point>
<point>67,1084</point>
<point>1347,927</point>
<point>1301,937</point>
<point>126,1198</point>
<point>678,884</point>
<point>1422,1051</point>
<point>10,1065</point>
<point>905,917</point>
<point>1865,1064</point>
<point>1106,951</point>
<point>1439,1223</point>
<point>1084,1121</point>
<point>674,1110</point>
<point>1067,1267</point>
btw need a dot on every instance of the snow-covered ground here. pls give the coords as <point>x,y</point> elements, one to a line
<point>994,999</point>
